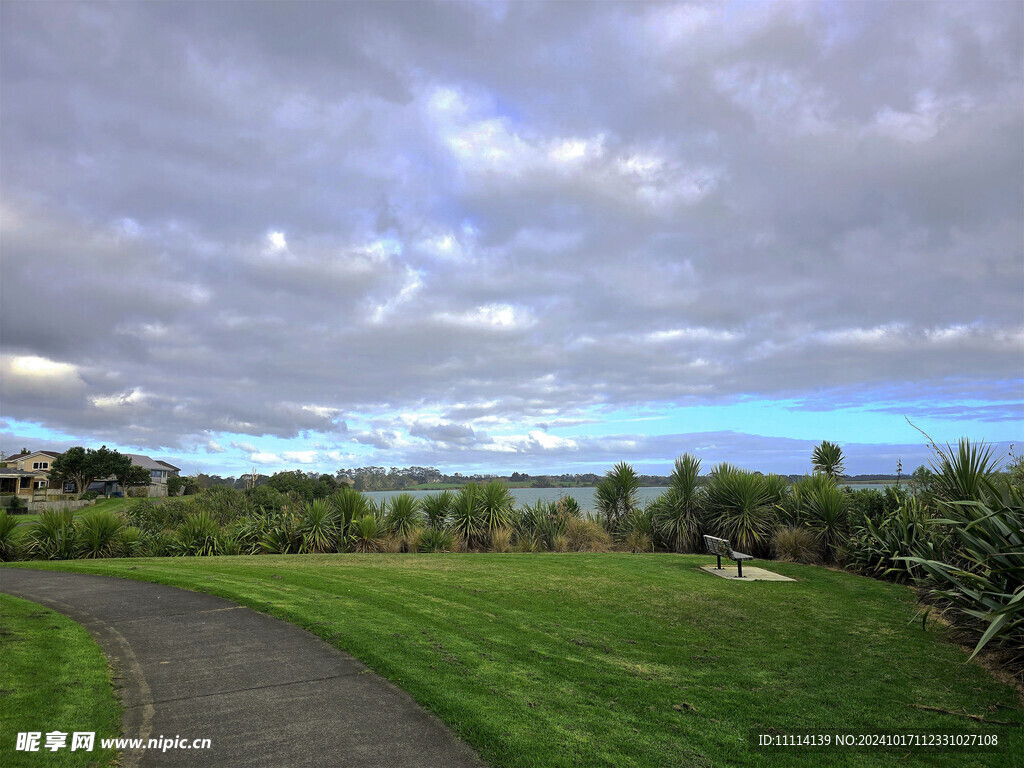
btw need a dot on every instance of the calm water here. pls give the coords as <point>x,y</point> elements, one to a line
<point>585,496</point>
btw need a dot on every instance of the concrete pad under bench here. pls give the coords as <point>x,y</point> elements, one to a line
<point>750,573</point>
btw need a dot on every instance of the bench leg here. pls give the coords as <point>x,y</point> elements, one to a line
<point>719,563</point>
<point>739,565</point>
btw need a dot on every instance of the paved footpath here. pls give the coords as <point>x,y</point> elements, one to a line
<point>265,692</point>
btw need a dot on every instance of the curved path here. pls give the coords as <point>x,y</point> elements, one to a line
<point>265,692</point>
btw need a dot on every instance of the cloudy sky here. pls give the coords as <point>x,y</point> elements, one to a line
<point>497,236</point>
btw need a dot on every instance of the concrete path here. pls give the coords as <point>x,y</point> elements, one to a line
<point>265,692</point>
<point>750,573</point>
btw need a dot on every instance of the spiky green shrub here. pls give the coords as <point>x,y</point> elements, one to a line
<point>97,534</point>
<point>495,505</point>
<point>465,521</point>
<point>679,511</point>
<point>366,535</point>
<point>826,515</point>
<point>965,474</point>
<point>879,549</point>
<point>130,541</point>
<point>616,494</point>
<point>541,523</point>
<point>159,544</point>
<point>568,506</point>
<point>350,505</point>
<point>53,535</point>
<point>740,509</point>
<point>228,542</point>
<point>197,535</point>
<point>777,488</point>
<point>982,584</point>
<point>639,523</point>
<point>436,508</point>
<point>319,527</point>
<point>434,539</point>
<point>796,544</point>
<point>10,537</point>
<point>403,516</point>
<point>280,534</point>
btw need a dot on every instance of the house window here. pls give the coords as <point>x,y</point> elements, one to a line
<point>40,465</point>
<point>41,483</point>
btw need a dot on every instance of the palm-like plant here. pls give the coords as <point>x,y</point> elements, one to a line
<point>465,519</point>
<point>403,515</point>
<point>434,539</point>
<point>319,527</point>
<point>680,510</point>
<point>616,494</point>
<point>366,535</point>
<point>495,507</point>
<point>350,505</point>
<point>197,535</point>
<point>97,533</point>
<point>10,539</point>
<point>828,459</point>
<point>53,535</point>
<point>739,508</point>
<point>436,507</point>
<point>826,516</point>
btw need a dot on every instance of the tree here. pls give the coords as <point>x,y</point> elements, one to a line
<point>828,459</point>
<point>190,486</point>
<point>617,494</point>
<point>83,465</point>
<point>132,476</point>
<point>679,512</point>
<point>174,485</point>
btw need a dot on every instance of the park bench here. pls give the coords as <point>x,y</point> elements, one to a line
<point>721,548</point>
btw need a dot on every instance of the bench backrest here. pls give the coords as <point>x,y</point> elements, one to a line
<point>717,546</point>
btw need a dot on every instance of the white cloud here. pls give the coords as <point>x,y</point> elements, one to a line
<point>496,316</point>
<point>266,458</point>
<point>301,457</point>
<point>122,400</point>
<point>691,334</point>
<point>277,242</point>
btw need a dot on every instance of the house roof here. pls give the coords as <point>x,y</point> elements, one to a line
<point>11,472</point>
<point>145,462</point>
<point>24,456</point>
<point>169,466</point>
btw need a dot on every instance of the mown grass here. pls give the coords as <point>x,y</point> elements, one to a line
<point>627,660</point>
<point>53,677</point>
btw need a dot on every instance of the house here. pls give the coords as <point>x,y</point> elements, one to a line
<point>159,471</point>
<point>27,475</point>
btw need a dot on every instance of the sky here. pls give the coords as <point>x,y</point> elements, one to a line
<point>486,236</point>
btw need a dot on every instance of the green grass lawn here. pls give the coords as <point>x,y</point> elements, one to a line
<point>53,677</point>
<point>627,660</point>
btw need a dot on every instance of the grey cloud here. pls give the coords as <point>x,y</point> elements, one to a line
<point>860,166</point>
<point>458,434</point>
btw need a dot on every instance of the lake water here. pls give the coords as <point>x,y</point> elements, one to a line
<point>585,496</point>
